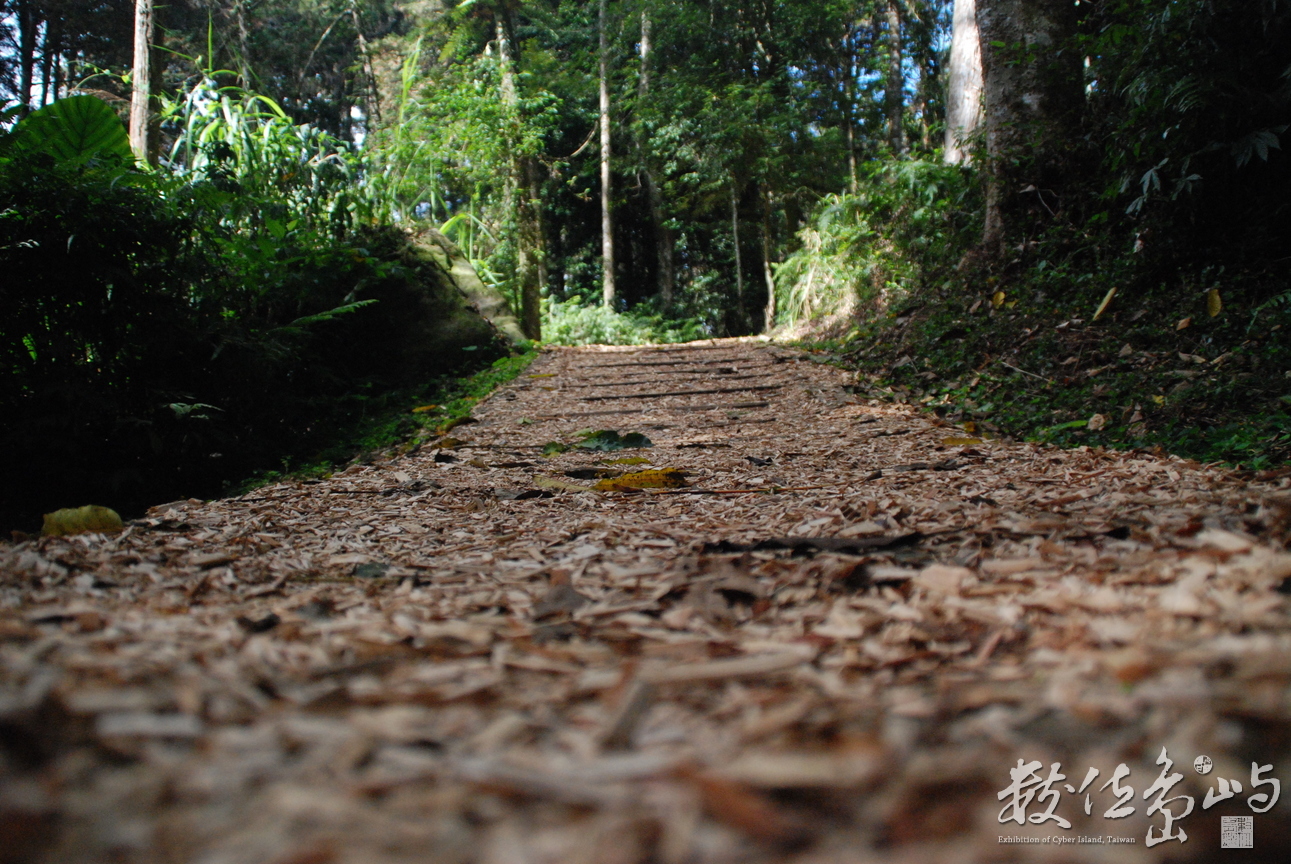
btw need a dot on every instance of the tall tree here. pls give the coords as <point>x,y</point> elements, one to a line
<point>607,219</point>
<point>964,99</point>
<point>521,188</point>
<point>1031,77</point>
<point>894,90</point>
<point>665,242</point>
<point>141,83</point>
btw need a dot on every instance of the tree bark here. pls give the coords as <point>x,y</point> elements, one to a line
<point>665,242</point>
<point>964,99</point>
<point>894,91</point>
<point>607,219</point>
<point>769,311</point>
<point>141,84</point>
<point>521,194</point>
<point>741,315</point>
<point>27,22</point>
<point>849,107</point>
<point>1031,77</point>
<point>370,90</point>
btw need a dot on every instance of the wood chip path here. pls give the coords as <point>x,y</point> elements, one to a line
<point>453,656</point>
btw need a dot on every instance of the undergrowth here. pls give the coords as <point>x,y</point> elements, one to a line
<point>1217,390</point>
<point>402,421</point>
<point>573,323</point>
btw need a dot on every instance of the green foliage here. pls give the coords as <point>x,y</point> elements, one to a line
<point>572,323</point>
<point>905,224</point>
<point>168,331</point>
<point>75,129</point>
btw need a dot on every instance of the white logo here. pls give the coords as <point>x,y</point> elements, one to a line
<point>1202,765</point>
<point>1236,832</point>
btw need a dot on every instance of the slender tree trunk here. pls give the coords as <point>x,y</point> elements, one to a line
<point>28,20</point>
<point>607,220</point>
<point>741,315</point>
<point>521,192</point>
<point>665,242</point>
<point>894,91</point>
<point>769,311</point>
<point>373,94</point>
<point>244,42</point>
<point>534,265</point>
<point>849,107</point>
<point>1031,77</point>
<point>964,99</point>
<point>141,83</point>
<point>47,52</point>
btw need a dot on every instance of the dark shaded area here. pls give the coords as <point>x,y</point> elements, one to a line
<point>145,359</point>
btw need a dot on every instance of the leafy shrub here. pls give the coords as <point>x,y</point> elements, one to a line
<point>572,323</point>
<point>165,335</point>
<point>871,248</point>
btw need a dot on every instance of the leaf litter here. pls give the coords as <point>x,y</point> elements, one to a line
<point>493,665</point>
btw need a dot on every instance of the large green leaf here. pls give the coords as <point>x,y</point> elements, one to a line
<point>74,129</point>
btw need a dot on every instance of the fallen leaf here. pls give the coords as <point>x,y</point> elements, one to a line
<point>1097,422</point>
<point>960,442</point>
<point>1107,301</point>
<point>656,478</point>
<point>1213,304</point>
<point>553,483</point>
<point>607,440</point>
<point>80,520</point>
<point>1183,324</point>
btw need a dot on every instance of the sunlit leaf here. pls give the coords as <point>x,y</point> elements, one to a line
<point>1107,301</point>
<point>1213,304</point>
<point>659,478</point>
<point>79,520</point>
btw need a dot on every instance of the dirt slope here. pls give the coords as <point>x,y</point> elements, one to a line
<point>455,657</point>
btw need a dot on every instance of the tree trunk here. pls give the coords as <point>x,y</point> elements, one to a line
<point>894,91</point>
<point>532,263</point>
<point>849,107</point>
<point>740,314</point>
<point>47,53</point>
<point>665,243</point>
<point>370,89</point>
<point>520,194</point>
<point>769,311</point>
<point>27,22</point>
<point>964,99</point>
<point>1031,77</point>
<point>607,220</point>
<point>141,83</point>
<point>244,43</point>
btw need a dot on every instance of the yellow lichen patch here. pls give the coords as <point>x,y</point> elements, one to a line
<point>659,478</point>
<point>79,520</point>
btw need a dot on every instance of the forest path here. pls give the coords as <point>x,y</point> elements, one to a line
<point>447,657</point>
